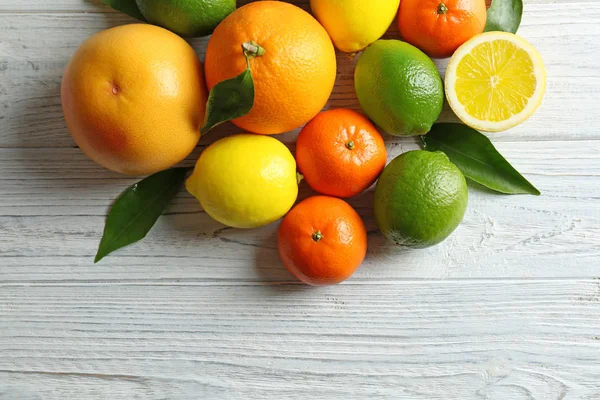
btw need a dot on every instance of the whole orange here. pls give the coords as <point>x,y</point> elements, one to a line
<point>293,78</point>
<point>134,98</point>
<point>439,27</point>
<point>322,241</point>
<point>340,153</point>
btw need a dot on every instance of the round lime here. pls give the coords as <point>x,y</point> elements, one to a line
<point>186,17</point>
<point>420,199</point>
<point>399,87</point>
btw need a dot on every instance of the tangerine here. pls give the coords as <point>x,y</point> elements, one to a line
<point>340,153</point>
<point>439,27</point>
<point>322,241</point>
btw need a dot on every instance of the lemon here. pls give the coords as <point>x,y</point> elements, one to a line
<point>495,81</point>
<point>245,181</point>
<point>354,24</point>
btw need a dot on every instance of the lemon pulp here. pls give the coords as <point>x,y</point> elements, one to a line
<point>495,81</point>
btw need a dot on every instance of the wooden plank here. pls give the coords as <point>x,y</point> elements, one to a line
<point>513,340</point>
<point>48,6</point>
<point>66,182</point>
<point>35,48</point>
<point>97,6</point>
<point>197,310</point>
<point>54,202</point>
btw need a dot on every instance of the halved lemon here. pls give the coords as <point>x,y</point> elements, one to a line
<point>495,81</point>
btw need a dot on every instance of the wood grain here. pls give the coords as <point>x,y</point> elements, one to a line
<point>47,6</point>
<point>463,340</point>
<point>55,200</point>
<point>506,309</point>
<point>35,53</point>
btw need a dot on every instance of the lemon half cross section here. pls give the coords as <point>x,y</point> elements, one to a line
<point>495,81</point>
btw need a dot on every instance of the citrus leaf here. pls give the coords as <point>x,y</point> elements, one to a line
<point>504,15</point>
<point>136,210</point>
<point>229,99</point>
<point>475,155</point>
<point>128,7</point>
<point>232,98</point>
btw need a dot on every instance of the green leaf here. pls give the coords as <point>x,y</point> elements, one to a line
<point>229,99</point>
<point>136,210</point>
<point>475,155</point>
<point>232,98</point>
<point>504,15</point>
<point>128,7</point>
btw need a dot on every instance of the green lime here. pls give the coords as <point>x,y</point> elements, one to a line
<point>186,17</point>
<point>420,199</point>
<point>399,87</point>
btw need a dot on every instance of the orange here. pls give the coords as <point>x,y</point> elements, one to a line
<point>293,78</point>
<point>340,153</point>
<point>134,97</point>
<point>439,27</point>
<point>322,241</point>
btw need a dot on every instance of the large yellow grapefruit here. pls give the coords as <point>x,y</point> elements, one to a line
<point>134,98</point>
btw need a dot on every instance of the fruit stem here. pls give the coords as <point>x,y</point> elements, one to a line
<point>317,236</point>
<point>442,9</point>
<point>299,177</point>
<point>350,145</point>
<point>252,49</point>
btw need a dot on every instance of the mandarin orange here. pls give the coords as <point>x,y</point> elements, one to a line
<point>340,153</point>
<point>439,27</point>
<point>322,241</point>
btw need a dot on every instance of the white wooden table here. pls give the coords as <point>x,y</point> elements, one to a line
<point>507,308</point>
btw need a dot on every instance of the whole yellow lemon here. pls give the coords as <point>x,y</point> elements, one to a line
<point>245,181</point>
<point>355,24</point>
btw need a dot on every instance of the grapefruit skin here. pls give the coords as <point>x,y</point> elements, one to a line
<point>134,98</point>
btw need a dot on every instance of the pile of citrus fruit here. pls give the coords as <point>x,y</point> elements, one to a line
<point>136,98</point>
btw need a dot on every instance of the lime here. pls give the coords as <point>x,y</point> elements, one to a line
<point>420,199</point>
<point>399,87</point>
<point>245,181</point>
<point>186,17</point>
